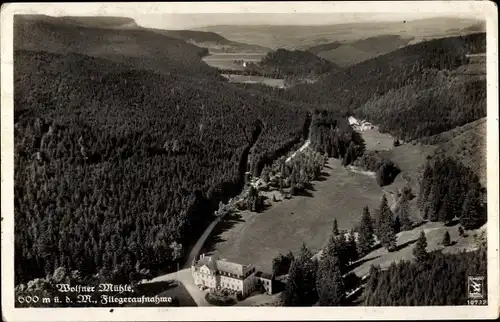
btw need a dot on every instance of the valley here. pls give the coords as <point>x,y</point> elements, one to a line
<point>140,150</point>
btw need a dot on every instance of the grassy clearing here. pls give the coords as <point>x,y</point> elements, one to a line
<point>434,233</point>
<point>372,136</point>
<point>256,79</point>
<point>257,238</point>
<point>226,60</point>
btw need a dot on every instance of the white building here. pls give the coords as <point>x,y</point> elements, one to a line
<point>213,273</point>
<point>352,121</point>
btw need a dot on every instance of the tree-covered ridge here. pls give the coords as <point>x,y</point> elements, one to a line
<point>113,165</point>
<point>282,63</point>
<point>448,190</point>
<point>439,103</point>
<point>438,281</point>
<point>136,47</point>
<point>347,90</point>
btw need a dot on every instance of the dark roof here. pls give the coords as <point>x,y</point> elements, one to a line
<point>263,275</point>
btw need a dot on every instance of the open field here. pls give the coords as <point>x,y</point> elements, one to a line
<point>255,79</point>
<point>434,233</point>
<point>257,238</point>
<point>372,136</point>
<point>226,60</point>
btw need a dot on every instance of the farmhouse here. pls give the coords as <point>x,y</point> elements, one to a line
<point>359,125</point>
<point>211,272</point>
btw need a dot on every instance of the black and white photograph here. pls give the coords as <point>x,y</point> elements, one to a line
<point>296,160</point>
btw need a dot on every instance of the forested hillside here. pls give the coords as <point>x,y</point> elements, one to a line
<point>402,71</point>
<point>437,281</point>
<point>139,48</point>
<point>417,110</point>
<point>351,52</point>
<point>126,163</point>
<point>126,142</point>
<point>212,41</point>
<point>282,63</point>
<point>466,144</point>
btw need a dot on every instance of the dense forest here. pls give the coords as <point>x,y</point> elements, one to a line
<point>115,166</point>
<point>139,48</point>
<point>439,279</point>
<point>331,134</point>
<point>283,63</point>
<point>448,190</point>
<point>397,110</point>
<point>410,76</point>
<point>124,151</point>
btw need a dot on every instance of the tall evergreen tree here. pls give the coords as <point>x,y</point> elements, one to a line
<point>335,229</point>
<point>300,289</point>
<point>329,282</point>
<point>366,239</point>
<point>446,239</point>
<point>353,246</point>
<point>385,226</point>
<point>425,184</point>
<point>420,249</point>
<point>340,250</point>
<point>473,214</point>
<point>404,215</point>
<point>446,211</point>
<point>383,213</point>
<point>433,204</point>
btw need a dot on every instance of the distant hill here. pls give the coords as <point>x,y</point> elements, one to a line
<point>297,63</point>
<point>304,37</point>
<point>214,42</point>
<point>136,47</point>
<point>83,21</point>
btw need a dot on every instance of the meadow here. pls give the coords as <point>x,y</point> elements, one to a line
<point>250,79</point>
<point>226,60</point>
<point>255,238</point>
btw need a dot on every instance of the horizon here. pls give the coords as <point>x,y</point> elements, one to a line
<point>197,21</point>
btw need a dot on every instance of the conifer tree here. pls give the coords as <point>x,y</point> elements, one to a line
<point>425,184</point>
<point>420,249</point>
<point>446,239</point>
<point>383,213</point>
<point>460,231</point>
<point>329,282</point>
<point>473,214</point>
<point>446,211</point>
<point>335,230</point>
<point>366,239</point>
<point>353,247</point>
<point>404,215</point>
<point>340,250</point>
<point>385,229</point>
<point>433,202</point>
<point>300,289</point>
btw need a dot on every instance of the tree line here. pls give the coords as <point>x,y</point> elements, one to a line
<point>432,278</point>
<point>449,190</point>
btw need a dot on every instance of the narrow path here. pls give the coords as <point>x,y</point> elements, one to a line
<point>195,250</point>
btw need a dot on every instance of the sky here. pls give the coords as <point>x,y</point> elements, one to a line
<point>186,21</point>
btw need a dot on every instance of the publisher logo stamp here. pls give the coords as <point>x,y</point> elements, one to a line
<point>476,287</point>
